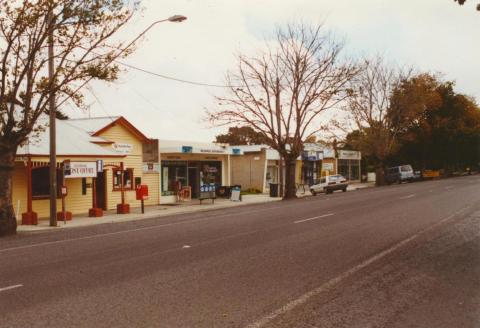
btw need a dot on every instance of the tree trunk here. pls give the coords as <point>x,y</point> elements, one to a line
<point>281,177</point>
<point>290,165</point>
<point>380,176</point>
<point>8,222</point>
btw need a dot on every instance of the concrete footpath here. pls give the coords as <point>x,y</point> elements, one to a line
<point>163,210</point>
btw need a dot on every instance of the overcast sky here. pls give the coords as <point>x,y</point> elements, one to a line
<point>433,35</point>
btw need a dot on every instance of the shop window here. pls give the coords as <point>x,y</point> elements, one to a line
<point>211,173</point>
<point>350,169</point>
<point>174,176</point>
<point>41,182</point>
<point>128,179</point>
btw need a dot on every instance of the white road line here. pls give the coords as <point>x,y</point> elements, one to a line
<point>129,230</point>
<point>10,287</point>
<point>315,218</point>
<point>407,197</point>
<point>186,246</point>
<point>332,282</point>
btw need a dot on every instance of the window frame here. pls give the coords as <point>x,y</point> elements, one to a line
<point>132,179</point>
<point>59,183</point>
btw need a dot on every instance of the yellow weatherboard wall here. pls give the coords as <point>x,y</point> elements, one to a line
<point>75,201</point>
<point>133,160</point>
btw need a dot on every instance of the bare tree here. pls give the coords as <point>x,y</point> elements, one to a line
<point>282,92</point>
<point>83,50</point>
<point>369,110</point>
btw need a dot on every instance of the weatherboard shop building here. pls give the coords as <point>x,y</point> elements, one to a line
<point>104,158</point>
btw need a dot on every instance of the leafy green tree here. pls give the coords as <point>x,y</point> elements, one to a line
<point>83,50</point>
<point>445,133</point>
<point>243,135</point>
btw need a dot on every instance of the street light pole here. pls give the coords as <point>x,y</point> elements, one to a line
<point>52,118</point>
<point>52,104</point>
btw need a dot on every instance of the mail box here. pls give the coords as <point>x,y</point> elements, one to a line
<point>142,192</point>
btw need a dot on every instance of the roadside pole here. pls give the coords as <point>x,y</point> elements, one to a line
<point>52,118</point>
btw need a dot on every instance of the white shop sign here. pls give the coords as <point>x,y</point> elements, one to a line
<point>349,154</point>
<point>151,168</point>
<point>327,167</point>
<point>122,148</point>
<point>82,170</point>
<point>329,153</point>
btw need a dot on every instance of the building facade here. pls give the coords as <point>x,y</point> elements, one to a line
<point>192,165</point>
<point>104,156</point>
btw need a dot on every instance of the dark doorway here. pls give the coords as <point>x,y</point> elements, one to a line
<point>101,191</point>
<point>193,181</point>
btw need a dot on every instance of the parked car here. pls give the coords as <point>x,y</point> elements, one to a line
<point>399,174</point>
<point>329,184</point>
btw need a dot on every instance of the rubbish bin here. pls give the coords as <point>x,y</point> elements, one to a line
<point>273,189</point>
<point>224,191</point>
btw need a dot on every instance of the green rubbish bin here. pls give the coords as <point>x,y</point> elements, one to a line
<point>273,189</point>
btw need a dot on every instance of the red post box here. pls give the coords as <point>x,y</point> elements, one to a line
<point>142,192</point>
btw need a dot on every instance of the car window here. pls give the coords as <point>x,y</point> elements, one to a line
<point>392,170</point>
<point>406,168</point>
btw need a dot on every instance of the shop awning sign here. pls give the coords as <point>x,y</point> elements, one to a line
<point>82,170</point>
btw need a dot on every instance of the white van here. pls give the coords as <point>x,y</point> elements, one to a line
<point>399,174</point>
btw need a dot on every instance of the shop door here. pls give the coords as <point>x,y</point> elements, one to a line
<point>193,180</point>
<point>101,191</point>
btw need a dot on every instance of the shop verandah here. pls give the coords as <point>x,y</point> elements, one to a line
<point>83,188</point>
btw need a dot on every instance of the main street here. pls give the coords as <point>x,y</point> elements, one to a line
<point>399,256</point>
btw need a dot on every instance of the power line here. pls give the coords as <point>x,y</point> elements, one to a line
<point>173,78</point>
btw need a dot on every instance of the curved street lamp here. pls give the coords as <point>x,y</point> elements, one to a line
<point>53,106</point>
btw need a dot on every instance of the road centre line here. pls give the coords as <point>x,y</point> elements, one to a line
<point>10,287</point>
<point>315,218</point>
<point>159,225</point>
<point>334,281</point>
<point>136,229</point>
<point>407,197</point>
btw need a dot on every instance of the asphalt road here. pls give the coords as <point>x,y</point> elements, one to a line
<point>400,256</point>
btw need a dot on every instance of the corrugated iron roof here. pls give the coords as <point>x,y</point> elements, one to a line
<point>71,140</point>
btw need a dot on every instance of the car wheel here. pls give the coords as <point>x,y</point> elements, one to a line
<point>344,189</point>
<point>314,193</point>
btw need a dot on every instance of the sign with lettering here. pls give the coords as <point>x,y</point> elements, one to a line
<point>217,150</point>
<point>82,170</point>
<point>99,165</point>
<point>151,168</point>
<point>122,148</point>
<point>327,167</point>
<point>349,154</point>
<point>328,153</point>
